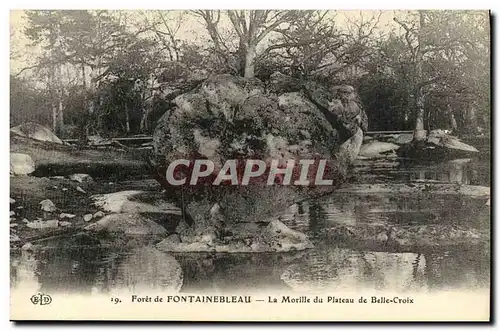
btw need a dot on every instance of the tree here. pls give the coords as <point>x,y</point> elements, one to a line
<point>251,28</point>
<point>44,29</point>
<point>119,66</point>
<point>165,26</point>
<point>86,42</point>
<point>24,99</point>
<point>127,86</point>
<point>434,45</point>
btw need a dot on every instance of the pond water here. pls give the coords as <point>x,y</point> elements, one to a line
<point>329,265</point>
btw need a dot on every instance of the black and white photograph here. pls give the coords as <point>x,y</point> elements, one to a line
<point>250,165</point>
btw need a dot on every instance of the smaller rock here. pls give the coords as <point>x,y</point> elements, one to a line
<point>65,223</point>
<point>129,225</point>
<point>81,178</point>
<point>81,190</point>
<point>48,206</point>
<point>21,164</point>
<point>12,201</point>
<point>306,134</point>
<point>381,238</point>
<point>57,177</point>
<point>12,213</point>
<point>43,224</point>
<point>25,220</point>
<point>87,217</point>
<point>130,202</point>
<point>64,189</point>
<point>65,215</point>
<point>376,149</point>
<point>488,203</point>
<point>55,187</point>
<point>19,207</point>
<point>27,247</point>
<point>173,239</point>
<point>14,238</point>
<point>13,225</point>
<point>99,214</point>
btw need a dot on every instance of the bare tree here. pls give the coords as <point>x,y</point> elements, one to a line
<point>165,26</point>
<point>434,43</point>
<point>251,28</point>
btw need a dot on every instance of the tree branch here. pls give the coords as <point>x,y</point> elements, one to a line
<point>233,17</point>
<point>24,69</point>
<point>279,20</point>
<point>408,31</point>
<point>429,81</point>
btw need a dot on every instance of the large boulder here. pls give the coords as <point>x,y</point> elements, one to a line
<point>230,117</point>
<point>21,164</point>
<point>35,131</point>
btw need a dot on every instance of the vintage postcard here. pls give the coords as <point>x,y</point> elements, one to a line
<point>250,165</point>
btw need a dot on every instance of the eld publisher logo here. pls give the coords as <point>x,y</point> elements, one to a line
<point>41,299</point>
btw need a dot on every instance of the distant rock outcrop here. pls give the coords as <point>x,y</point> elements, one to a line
<point>442,139</point>
<point>438,145</point>
<point>35,131</point>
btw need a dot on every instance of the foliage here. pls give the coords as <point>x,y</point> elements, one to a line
<point>116,72</point>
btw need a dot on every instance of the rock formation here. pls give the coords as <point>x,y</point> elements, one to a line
<point>228,117</point>
<point>35,131</point>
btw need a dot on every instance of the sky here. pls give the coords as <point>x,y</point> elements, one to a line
<point>192,28</point>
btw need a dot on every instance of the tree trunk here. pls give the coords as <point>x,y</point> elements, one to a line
<point>250,57</point>
<point>143,126</point>
<point>60,115</point>
<point>419,132</point>
<point>472,120</point>
<point>59,94</point>
<point>453,121</point>
<point>94,118</point>
<point>127,121</point>
<point>54,116</point>
<point>92,91</point>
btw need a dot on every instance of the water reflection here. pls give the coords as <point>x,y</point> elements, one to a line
<point>86,271</point>
<point>464,171</point>
<point>328,266</point>
<point>344,269</point>
<point>323,268</point>
<point>454,171</point>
